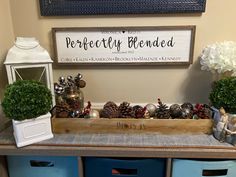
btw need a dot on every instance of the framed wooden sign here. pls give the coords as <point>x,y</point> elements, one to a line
<point>127,45</point>
<point>100,7</point>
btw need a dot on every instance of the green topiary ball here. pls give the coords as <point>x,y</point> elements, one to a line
<point>26,99</point>
<point>223,94</point>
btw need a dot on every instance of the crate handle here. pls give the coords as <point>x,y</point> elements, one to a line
<point>122,171</point>
<point>36,163</point>
<point>219,172</point>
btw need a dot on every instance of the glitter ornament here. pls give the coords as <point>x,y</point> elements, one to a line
<point>62,81</point>
<point>175,111</point>
<point>187,113</point>
<point>151,108</point>
<point>94,114</point>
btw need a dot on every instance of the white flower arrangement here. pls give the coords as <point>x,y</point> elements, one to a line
<point>219,57</point>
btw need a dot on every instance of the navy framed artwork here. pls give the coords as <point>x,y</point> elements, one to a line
<point>102,7</point>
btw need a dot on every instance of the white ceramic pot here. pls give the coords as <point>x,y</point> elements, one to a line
<point>30,131</point>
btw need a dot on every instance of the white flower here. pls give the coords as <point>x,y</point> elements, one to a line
<point>219,57</point>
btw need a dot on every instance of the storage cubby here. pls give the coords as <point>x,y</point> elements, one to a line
<point>202,168</point>
<point>42,166</point>
<point>125,167</point>
<point>77,166</point>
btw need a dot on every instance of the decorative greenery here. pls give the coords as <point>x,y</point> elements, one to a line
<point>26,99</point>
<point>223,94</point>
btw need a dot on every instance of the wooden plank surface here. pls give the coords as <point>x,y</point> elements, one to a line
<point>118,125</point>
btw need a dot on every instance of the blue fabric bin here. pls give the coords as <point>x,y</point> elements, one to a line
<point>110,167</point>
<point>203,168</point>
<point>42,166</point>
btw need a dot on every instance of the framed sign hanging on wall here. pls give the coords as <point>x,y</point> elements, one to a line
<point>100,7</point>
<point>171,45</point>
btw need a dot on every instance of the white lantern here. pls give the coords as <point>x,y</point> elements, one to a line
<point>27,60</point>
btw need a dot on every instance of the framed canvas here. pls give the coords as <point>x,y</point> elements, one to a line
<point>166,45</point>
<point>100,7</point>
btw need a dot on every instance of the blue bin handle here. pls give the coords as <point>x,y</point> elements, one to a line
<point>124,171</point>
<point>215,172</point>
<point>37,163</point>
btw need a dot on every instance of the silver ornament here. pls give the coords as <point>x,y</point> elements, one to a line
<point>187,113</point>
<point>77,113</point>
<point>146,114</point>
<point>59,90</point>
<point>151,108</point>
<point>61,80</point>
<point>94,114</point>
<point>175,111</point>
<point>56,86</point>
<point>69,78</point>
<point>79,76</point>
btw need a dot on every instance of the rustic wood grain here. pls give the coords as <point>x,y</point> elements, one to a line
<point>118,125</point>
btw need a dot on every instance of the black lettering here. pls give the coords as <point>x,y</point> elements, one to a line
<point>68,40</point>
<point>171,42</point>
<point>163,43</point>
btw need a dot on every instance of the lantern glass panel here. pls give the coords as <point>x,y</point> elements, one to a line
<point>37,73</point>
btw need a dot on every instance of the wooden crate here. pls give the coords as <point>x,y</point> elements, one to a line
<point>118,125</point>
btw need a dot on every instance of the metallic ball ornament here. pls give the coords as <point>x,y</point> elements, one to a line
<point>94,114</point>
<point>187,113</point>
<point>151,108</point>
<point>77,113</point>
<point>58,89</point>
<point>146,114</point>
<point>82,83</point>
<point>56,86</point>
<point>61,79</point>
<point>187,105</point>
<point>72,114</point>
<point>175,111</point>
<point>79,76</point>
<point>69,78</point>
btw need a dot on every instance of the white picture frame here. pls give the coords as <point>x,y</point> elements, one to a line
<point>169,45</point>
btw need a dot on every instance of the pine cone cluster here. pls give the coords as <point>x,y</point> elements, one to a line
<point>162,111</point>
<point>110,110</point>
<point>184,111</point>
<point>125,110</point>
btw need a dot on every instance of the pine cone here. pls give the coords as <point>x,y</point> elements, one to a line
<point>125,110</point>
<point>139,111</point>
<point>62,110</point>
<point>110,104</point>
<point>110,110</point>
<point>162,111</point>
<point>202,111</point>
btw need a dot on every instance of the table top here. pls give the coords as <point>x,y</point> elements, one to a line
<point>122,145</point>
<point>119,145</point>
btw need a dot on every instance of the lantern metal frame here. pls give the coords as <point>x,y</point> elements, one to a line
<point>29,58</point>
